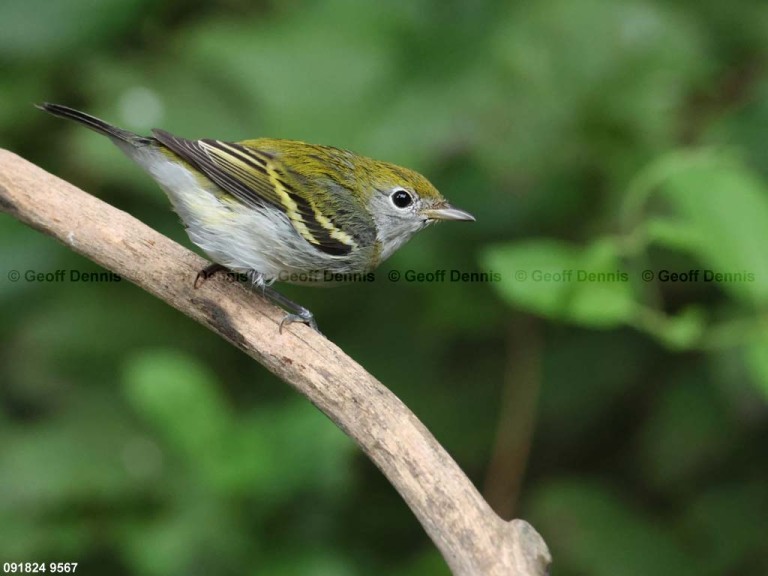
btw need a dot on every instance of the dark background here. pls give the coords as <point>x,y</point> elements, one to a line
<point>624,418</point>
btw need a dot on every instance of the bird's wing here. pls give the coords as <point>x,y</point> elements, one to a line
<point>237,170</point>
<point>257,178</point>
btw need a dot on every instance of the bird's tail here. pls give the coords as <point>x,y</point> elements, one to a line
<point>95,124</point>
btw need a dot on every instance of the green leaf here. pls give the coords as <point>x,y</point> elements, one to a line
<point>585,286</point>
<point>180,398</point>
<point>683,330</point>
<point>725,209</point>
<point>303,450</point>
<point>672,233</point>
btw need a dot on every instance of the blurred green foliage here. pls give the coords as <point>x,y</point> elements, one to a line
<point>610,137</point>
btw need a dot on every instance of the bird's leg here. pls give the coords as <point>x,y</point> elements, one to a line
<point>207,272</point>
<point>297,313</point>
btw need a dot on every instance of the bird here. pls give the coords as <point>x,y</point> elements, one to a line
<point>282,210</point>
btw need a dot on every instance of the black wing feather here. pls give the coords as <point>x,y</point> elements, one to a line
<point>248,190</point>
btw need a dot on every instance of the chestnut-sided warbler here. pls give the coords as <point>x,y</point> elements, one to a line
<point>281,209</point>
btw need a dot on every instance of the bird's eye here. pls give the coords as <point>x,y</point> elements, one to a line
<point>401,198</point>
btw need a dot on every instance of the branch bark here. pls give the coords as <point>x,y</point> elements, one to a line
<point>471,537</point>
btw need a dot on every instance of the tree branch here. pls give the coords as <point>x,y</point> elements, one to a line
<point>473,540</point>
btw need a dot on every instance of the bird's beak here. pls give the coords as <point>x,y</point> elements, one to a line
<point>448,212</point>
